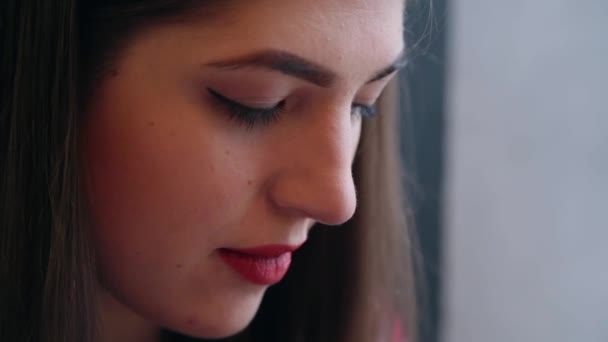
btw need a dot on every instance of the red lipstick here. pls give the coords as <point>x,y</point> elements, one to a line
<point>262,265</point>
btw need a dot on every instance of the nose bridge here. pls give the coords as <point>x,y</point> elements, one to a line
<point>318,180</point>
<point>328,142</point>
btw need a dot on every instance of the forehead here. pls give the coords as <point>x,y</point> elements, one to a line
<point>346,35</point>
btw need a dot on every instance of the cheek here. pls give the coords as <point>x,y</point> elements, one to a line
<point>142,181</point>
<point>162,191</point>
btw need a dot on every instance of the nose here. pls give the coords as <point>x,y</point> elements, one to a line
<point>315,179</point>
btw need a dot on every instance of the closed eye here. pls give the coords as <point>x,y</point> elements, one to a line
<point>363,110</point>
<point>248,115</point>
<point>251,117</point>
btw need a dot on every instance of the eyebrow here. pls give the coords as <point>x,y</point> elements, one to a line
<point>296,66</point>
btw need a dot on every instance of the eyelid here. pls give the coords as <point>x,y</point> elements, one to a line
<point>240,104</point>
<point>250,117</point>
<point>250,114</point>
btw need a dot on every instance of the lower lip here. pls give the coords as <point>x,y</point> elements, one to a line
<point>258,269</point>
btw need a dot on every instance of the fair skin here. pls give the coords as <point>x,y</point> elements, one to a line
<point>172,177</point>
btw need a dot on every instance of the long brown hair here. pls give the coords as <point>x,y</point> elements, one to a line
<point>352,283</point>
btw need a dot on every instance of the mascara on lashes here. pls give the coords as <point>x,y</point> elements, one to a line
<point>253,116</point>
<point>247,115</point>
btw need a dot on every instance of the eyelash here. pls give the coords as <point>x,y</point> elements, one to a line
<point>252,117</point>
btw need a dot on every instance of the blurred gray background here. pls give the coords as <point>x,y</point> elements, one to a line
<point>506,147</point>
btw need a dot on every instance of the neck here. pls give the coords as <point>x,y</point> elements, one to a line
<point>120,324</point>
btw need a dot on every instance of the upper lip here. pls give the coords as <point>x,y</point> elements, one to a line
<point>265,251</point>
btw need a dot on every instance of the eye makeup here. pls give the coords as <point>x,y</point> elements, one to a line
<point>251,117</point>
<point>248,116</point>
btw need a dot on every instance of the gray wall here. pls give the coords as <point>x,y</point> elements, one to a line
<point>526,218</point>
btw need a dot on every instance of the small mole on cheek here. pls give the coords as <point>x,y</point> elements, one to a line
<point>178,266</point>
<point>137,253</point>
<point>250,182</point>
<point>227,152</point>
<point>151,123</point>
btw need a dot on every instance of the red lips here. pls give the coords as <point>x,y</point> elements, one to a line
<point>262,265</point>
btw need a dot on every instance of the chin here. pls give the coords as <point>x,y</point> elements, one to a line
<point>223,329</point>
<point>223,321</point>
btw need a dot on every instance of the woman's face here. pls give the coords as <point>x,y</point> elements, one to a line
<point>185,182</point>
